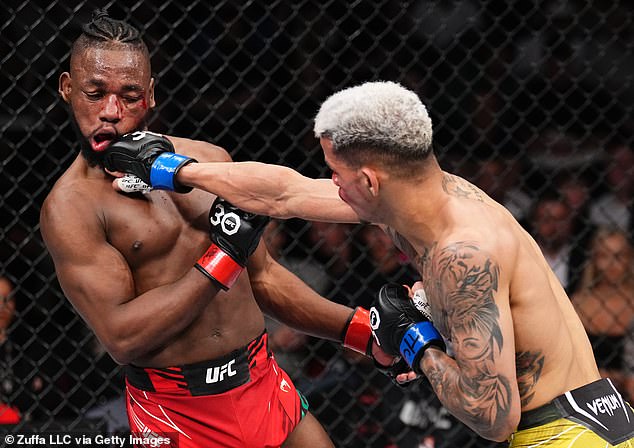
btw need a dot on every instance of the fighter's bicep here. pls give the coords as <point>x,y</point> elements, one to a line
<point>476,314</point>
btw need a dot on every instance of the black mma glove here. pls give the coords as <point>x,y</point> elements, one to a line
<point>357,336</point>
<point>400,328</point>
<point>148,156</point>
<point>235,235</point>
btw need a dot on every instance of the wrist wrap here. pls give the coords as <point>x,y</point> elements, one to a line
<point>358,333</point>
<point>164,169</point>
<point>415,341</point>
<point>219,267</point>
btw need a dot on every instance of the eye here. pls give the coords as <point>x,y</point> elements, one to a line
<point>94,95</point>
<point>132,99</point>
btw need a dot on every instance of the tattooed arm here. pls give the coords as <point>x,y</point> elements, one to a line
<point>479,387</point>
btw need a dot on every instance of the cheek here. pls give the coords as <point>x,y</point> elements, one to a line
<point>134,112</point>
<point>86,116</point>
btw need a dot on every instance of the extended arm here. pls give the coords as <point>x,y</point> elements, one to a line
<point>272,190</point>
<point>479,386</point>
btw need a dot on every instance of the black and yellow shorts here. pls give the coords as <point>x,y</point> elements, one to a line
<point>593,416</point>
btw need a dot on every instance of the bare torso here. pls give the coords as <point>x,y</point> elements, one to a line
<point>160,235</point>
<point>552,352</point>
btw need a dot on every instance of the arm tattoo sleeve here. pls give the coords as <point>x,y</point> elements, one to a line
<point>465,279</point>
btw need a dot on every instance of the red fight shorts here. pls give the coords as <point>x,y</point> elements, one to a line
<point>242,399</point>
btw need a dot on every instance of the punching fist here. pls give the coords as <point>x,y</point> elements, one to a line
<point>148,156</point>
<point>235,235</point>
<point>357,336</point>
<point>400,328</point>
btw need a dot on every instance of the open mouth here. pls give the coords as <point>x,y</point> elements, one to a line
<point>102,139</point>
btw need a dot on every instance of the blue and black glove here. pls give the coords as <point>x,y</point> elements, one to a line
<point>400,328</point>
<point>148,156</point>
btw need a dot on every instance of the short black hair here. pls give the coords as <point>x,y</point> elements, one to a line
<point>104,31</point>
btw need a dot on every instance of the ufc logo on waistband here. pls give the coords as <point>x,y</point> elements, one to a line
<point>216,374</point>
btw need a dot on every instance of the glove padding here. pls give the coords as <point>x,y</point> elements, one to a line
<point>235,234</point>
<point>235,231</point>
<point>400,328</point>
<point>148,156</point>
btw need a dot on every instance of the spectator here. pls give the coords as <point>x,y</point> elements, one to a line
<point>576,191</point>
<point>614,207</point>
<point>605,300</point>
<point>551,225</point>
<point>9,414</point>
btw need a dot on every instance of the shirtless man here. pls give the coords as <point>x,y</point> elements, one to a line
<point>188,326</point>
<point>521,366</point>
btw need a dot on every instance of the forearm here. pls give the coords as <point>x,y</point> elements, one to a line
<point>151,320</point>
<point>272,190</point>
<point>283,296</point>
<point>482,401</point>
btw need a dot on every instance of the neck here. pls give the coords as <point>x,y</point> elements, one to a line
<point>96,171</point>
<point>416,208</point>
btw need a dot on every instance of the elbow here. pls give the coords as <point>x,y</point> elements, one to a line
<point>502,430</point>
<point>123,350</point>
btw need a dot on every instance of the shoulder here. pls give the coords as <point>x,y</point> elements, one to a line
<point>462,250</point>
<point>469,261</point>
<point>458,187</point>
<point>71,204</point>
<point>200,150</point>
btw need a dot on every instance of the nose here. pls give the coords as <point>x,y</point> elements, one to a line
<point>111,110</point>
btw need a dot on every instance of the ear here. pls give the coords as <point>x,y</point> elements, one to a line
<point>64,87</point>
<point>150,97</point>
<point>371,179</point>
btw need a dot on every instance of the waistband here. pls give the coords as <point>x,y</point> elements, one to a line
<point>206,377</point>
<point>540,416</point>
<point>597,406</point>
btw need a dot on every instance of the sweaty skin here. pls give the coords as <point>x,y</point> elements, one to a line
<point>126,261</point>
<point>517,340</point>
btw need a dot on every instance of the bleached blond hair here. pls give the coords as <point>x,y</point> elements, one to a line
<point>381,119</point>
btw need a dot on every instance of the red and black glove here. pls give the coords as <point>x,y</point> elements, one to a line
<point>235,235</point>
<point>357,336</point>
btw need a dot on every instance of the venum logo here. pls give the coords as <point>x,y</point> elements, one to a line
<point>218,373</point>
<point>604,405</point>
